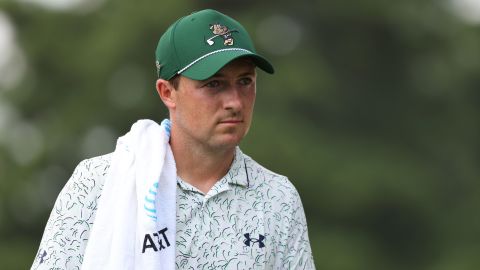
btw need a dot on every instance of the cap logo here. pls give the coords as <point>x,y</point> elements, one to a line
<point>157,64</point>
<point>221,31</point>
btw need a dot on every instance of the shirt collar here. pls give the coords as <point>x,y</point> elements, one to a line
<point>237,174</point>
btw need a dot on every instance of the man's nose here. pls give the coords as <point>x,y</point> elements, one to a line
<point>233,98</point>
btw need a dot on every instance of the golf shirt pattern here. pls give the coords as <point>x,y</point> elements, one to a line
<point>252,218</point>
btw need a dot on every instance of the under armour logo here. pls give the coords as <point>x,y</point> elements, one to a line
<point>42,255</point>
<point>249,240</point>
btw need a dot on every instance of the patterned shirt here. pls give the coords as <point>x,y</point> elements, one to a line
<point>252,218</point>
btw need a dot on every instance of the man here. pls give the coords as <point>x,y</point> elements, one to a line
<point>229,212</point>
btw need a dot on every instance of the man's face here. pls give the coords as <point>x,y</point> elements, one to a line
<point>216,113</point>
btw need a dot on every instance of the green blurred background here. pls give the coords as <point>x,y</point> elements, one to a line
<point>373,114</point>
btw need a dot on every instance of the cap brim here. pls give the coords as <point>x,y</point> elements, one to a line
<point>208,66</point>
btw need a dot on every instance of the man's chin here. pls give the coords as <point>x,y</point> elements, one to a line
<point>228,141</point>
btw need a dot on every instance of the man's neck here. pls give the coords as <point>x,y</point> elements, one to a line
<point>199,167</point>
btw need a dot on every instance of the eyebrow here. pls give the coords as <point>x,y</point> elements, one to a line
<point>220,74</point>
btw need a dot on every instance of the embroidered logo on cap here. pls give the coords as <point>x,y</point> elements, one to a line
<point>221,31</point>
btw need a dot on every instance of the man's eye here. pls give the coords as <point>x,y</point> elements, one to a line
<point>213,84</point>
<point>245,81</point>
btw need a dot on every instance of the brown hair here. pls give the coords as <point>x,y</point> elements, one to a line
<point>175,81</point>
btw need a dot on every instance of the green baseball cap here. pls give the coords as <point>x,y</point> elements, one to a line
<point>198,45</point>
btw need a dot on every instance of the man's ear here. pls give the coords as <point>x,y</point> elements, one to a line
<point>166,92</point>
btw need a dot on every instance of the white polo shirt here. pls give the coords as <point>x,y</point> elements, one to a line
<point>252,218</point>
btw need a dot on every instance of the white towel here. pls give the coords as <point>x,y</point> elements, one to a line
<point>134,227</point>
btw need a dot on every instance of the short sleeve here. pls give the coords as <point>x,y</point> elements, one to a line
<point>68,227</point>
<point>298,252</point>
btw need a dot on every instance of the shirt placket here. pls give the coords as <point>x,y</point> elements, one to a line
<point>197,231</point>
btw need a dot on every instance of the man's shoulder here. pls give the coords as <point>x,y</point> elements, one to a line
<point>90,174</point>
<point>95,166</point>
<point>98,165</point>
<point>262,178</point>
<point>260,169</point>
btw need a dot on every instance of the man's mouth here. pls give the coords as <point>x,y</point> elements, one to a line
<point>231,121</point>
